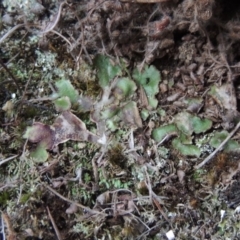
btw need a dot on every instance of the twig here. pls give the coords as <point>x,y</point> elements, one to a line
<point>166,138</point>
<point>25,89</point>
<point>104,150</point>
<point>156,202</point>
<point>10,61</point>
<point>53,24</point>
<point>148,231</point>
<point>7,159</point>
<point>11,235</point>
<point>11,75</point>
<point>41,99</point>
<point>70,201</point>
<point>54,225</point>
<point>218,148</point>
<point>65,39</point>
<point>95,173</point>
<point>10,32</point>
<point>49,167</point>
<point>83,44</point>
<point>154,198</point>
<point>139,219</point>
<point>20,194</point>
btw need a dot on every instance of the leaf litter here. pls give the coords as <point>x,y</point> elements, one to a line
<point>128,122</point>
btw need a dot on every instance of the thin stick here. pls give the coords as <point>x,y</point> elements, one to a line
<point>54,225</point>
<point>41,99</point>
<point>10,32</point>
<point>10,61</point>
<point>218,148</point>
<point>10,232</point>
<point>7,159</point>
<point>53,24</point>
<point>70,201</point>
<point>95,174</point>
<point>154,198</point>
<point>148,231</point>
<point>25,90</point>
<point>65,39</point>
<point>11,75</point>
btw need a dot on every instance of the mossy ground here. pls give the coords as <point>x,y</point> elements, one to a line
<point>159,81</point>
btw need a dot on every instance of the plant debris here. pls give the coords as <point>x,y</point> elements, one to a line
<point>119,119</point>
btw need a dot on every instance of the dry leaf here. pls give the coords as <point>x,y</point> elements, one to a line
<point>130,115</point>
<point>66,127</point>
<point>69,127</point>
<point>40,133</point>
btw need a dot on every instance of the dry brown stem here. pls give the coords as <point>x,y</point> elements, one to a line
<point>7,159</point>
<point>10,32</point>
<point>70,201</point>
<point>54,23</point>
<point>54,225</point>
<point>154,197</point>
<point>11,75</point>
<point>206,160</point>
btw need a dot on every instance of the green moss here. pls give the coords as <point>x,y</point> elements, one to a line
<point>4,197</point>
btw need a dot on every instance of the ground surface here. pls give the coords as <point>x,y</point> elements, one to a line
<point>109,110</point>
